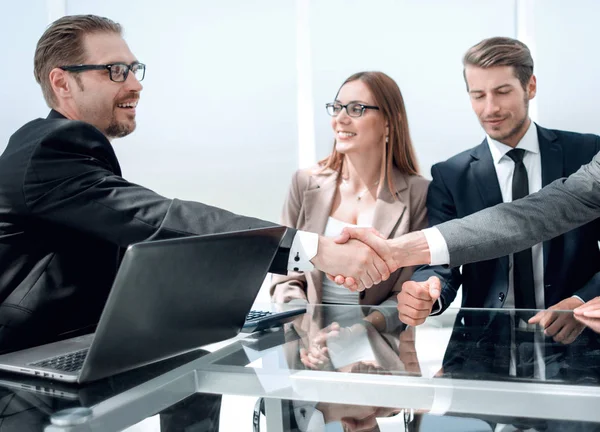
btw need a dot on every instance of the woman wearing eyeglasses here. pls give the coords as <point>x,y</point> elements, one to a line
<point>372,179</point>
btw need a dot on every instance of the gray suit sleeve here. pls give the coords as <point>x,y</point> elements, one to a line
<point>559,207</point>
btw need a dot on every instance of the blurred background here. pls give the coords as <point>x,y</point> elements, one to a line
<point>235,91</point>
<point>234,97</point>
<point>233,101</point>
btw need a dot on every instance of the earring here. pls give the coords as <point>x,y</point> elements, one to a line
<point>387,139</point>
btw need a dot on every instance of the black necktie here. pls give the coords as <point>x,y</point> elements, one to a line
<point>523,263</point>
<point>522,276</point>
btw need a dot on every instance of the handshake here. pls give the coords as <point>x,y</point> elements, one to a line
<point>360,258</point>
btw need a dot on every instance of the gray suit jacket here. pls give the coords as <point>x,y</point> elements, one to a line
<point>559,207</point>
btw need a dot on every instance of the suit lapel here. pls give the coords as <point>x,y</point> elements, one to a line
<point>486,180</point>
<point>111,156</point>
<point>388,209</point>
<point>317,204</point>
<point>485,176</point>
<point>318,200</point>
<point>551,154</point>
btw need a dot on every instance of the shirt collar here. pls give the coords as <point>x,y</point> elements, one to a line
<point>529,142</point>
<point>55,115</point>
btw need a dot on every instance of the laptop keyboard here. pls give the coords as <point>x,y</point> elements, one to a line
<point>256,314</point>
<point>71,362</point>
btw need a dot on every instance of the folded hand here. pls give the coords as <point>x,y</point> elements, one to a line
<point>416,300</point>
<point>561,326</point>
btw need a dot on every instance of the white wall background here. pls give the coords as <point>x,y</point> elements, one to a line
<point>217,118</point>
<point>234,96</point>
<point>567,55</point>
<point>418,43</point>
<point>234,88</point>
<point>233,100</point>
<point>21,25</point>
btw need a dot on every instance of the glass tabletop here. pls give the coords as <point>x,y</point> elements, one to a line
<point>330,366</point>
<point>487,363</point>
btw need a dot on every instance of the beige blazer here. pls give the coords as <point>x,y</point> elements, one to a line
<point>308,207</point>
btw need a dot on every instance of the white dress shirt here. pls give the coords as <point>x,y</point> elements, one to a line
<point>505,168</point>
<point>332,292</point>
<point>303,249</point>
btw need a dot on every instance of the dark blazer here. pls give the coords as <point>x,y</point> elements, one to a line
<point>481,351</point>
<point>66,215</point>
<point>467,183</point>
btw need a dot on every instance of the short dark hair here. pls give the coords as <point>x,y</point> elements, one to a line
<point>501,51</point>
<point>62,44</point>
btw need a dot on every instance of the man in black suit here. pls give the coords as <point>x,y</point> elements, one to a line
<point>479,353</point>
<point>66,213</point>
<point>516,158</point>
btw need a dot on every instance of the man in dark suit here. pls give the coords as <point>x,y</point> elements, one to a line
<point>516,158</point>
<point>66,213</point>
<point>479,353</point>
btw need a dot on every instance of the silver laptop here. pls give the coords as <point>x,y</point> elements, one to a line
<point>100,390</point>
<point>169,297</point>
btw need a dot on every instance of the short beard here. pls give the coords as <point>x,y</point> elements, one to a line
<point>518,127</point>
<point>118,130</point>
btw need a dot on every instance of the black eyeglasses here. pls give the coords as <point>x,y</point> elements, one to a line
<point>354,109</point>
<point>118,71</point>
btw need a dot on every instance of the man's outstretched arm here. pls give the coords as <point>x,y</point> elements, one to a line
<point>497,231</point>
<point>507,228</point>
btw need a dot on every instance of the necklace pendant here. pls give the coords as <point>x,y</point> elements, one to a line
<point>358,198</point>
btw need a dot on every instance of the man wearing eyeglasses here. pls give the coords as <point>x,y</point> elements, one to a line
<point>66,213</point>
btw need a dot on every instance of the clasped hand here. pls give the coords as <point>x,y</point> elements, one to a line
<point>357,259</point>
